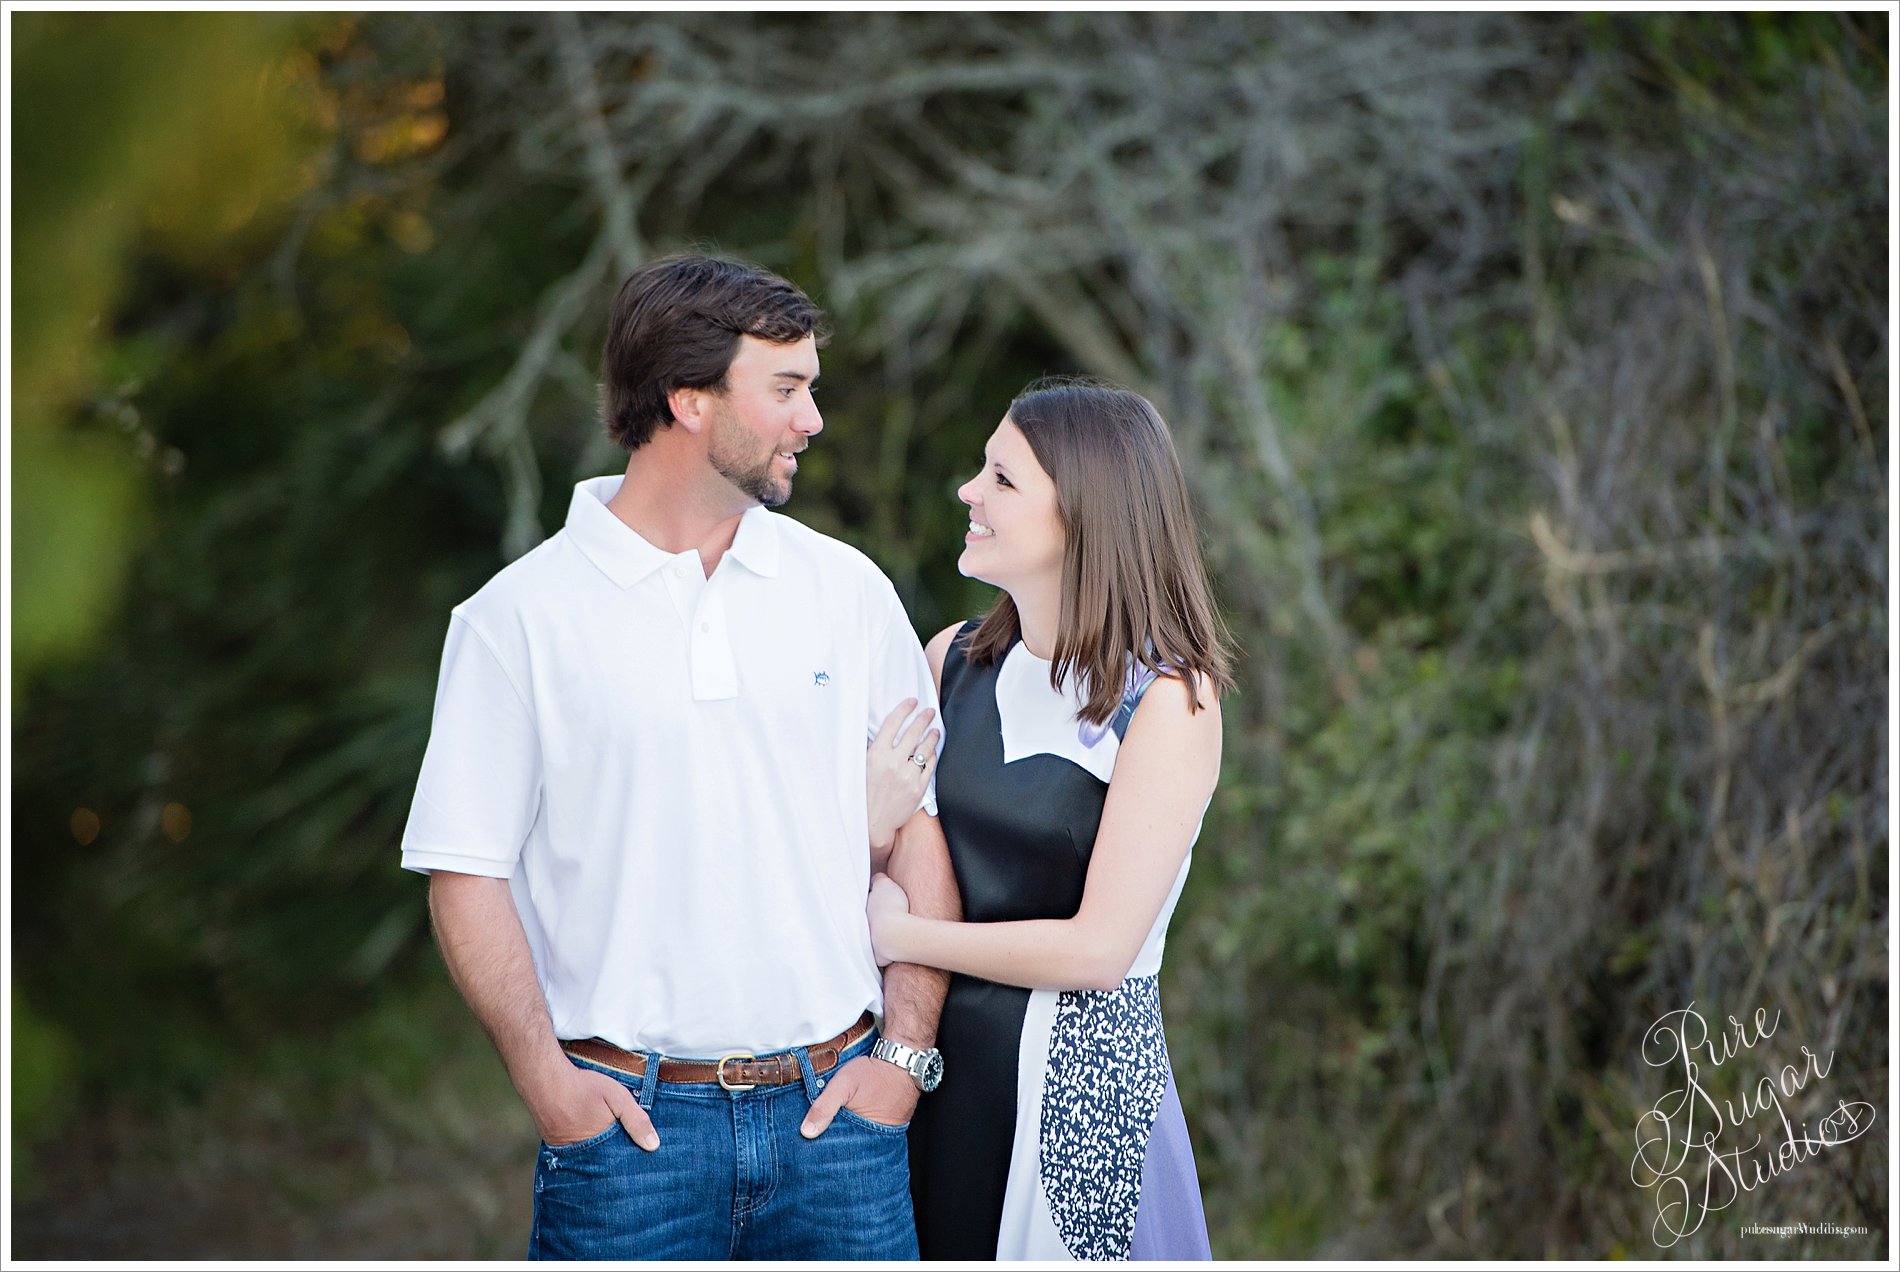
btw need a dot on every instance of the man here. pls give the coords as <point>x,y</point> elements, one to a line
<point>643,809</point>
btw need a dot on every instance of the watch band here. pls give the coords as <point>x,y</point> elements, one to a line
<point>924,1067</point>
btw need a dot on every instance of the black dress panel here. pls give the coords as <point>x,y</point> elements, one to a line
<point>1020,836</point>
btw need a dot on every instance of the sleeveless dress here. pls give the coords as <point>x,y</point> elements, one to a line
<point>1057,1133</point>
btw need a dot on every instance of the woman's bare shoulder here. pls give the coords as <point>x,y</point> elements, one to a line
<point>1176,709</point>
<point>937,650</point>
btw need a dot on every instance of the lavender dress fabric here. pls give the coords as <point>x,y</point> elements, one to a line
<point>1170,1225</point>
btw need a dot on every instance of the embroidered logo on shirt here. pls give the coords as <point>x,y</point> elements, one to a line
<point>821,677</point>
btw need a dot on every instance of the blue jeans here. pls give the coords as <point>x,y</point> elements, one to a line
<point>731,1179</point>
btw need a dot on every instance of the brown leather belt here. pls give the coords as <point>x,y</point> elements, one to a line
<point>740,1071</point>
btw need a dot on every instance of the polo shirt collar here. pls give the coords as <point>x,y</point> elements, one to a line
<point>756,545</point>
<point>619,551</point>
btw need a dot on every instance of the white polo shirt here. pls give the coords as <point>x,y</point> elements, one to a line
<point>669,769</point>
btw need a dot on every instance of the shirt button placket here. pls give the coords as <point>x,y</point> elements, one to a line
<point>714,675</point>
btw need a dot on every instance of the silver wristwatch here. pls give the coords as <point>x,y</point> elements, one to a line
<point>925,1067</point>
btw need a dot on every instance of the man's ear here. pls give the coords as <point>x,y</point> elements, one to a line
<point>689,407</point>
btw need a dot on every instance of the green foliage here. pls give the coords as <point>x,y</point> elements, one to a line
<point>73,520</point>
<point>125,124</point>
<point>1580,387</point>
<point>42,1059</point>
<point>1394,485</point>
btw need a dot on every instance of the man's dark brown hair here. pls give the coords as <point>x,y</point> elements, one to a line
<point>676,324</point>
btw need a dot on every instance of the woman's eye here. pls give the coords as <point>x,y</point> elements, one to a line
<point>1002,480</point>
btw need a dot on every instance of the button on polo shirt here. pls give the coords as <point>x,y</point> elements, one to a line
<point>669,770</point>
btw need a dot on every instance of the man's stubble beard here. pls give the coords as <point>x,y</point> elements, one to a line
<point>728,454</point>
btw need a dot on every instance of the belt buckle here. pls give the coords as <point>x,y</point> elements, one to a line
<point>720,1069</point>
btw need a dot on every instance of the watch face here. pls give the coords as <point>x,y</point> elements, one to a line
<point>933,1069</point>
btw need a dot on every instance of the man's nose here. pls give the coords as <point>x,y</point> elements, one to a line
<point>809,422</point>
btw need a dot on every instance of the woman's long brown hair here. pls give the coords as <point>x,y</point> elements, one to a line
<point>1132,578</point>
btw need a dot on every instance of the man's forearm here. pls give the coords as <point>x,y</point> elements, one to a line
<point>487,954</point>
<point>913,995</point>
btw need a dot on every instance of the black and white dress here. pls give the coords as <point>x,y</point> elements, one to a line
<point>1057,1133</point>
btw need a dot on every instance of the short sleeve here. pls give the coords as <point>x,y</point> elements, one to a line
<point>899,670</point>
<point>480,787</point>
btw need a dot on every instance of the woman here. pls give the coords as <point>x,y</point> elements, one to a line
<point>1069,813</point>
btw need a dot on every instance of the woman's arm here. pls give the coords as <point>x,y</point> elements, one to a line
<point>1164,776</point>
<point>893,785</point>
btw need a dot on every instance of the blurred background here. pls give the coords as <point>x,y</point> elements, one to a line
<point>1530,374</point>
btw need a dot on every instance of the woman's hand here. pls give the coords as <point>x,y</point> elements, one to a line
<point>894,777</point>
<point>887,905</point>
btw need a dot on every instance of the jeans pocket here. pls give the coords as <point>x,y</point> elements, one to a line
<point>587,1202</point>
<point>858,1119</point>
<point>592,1141</point>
